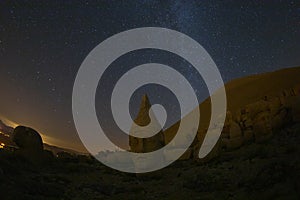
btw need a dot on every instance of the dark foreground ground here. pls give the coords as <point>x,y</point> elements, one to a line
<point>269,170</point>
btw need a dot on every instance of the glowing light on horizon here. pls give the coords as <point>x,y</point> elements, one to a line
<point>45,137</point>
<point>9,122</point>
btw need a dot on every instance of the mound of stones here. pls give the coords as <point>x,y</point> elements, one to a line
<point>255,122</point>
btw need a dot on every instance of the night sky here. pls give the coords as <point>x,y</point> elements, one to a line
<point>43,43</point>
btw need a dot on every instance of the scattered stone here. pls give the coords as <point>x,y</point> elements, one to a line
<point>254,122</point>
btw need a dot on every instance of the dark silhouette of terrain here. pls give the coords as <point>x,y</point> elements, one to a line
<point>5,129</point>
<point>269,170</point>
<point>266,168</point>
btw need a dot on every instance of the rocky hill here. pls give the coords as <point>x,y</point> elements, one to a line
<point>258,106</point>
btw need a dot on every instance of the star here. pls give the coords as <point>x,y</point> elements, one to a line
<point>42,48</point>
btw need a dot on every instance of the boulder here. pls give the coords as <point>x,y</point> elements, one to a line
<point>27,139</point>
<point>255,108</point>
<point>30,144</point>
<point>235,130</point>
<point>288,92</point>
<point>247,123</point>
<point>233,143</point>
<point>274,105</point>
<point>262,126</point>
<point>232,130</point>
<point>248,136</point>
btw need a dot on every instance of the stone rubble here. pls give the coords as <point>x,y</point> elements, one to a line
<point>255,122</point>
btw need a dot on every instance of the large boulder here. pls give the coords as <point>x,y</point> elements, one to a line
<point>253,109</point>
<point>262,127</point>
<point>27,139</point>
<point>248,136</point>
<point>275,106</point>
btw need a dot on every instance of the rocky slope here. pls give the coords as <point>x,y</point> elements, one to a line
<point>258,106</point>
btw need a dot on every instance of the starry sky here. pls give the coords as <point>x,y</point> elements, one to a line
<point>43,43</point>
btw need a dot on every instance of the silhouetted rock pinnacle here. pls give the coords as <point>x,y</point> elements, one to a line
<point>143,119</point>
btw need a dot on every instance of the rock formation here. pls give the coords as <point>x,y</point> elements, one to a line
<point>143,145</point>
<point>146,144</point>
<point>28,139</point>
<point>255,122</point>
<point>30,143</point>
<point>258,121</point>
